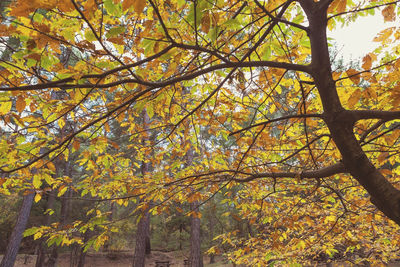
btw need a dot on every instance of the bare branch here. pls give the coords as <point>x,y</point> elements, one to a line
<point>280,19</point>
<point>307,174</point>
<point>363,9</point>
<point>278,119</point>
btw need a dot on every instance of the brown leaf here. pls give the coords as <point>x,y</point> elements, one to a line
<point>353,75</point>
<point>76,145</point>
<point>126,4</point>
<point>388,13</point>
<point>341,6</point>
<point>205,22</point>
<point>138,6</point>
<point>354,98</point>
<point>367,62</point>
<point>20,104</point>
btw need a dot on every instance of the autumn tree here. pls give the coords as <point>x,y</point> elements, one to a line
<point>313,151</point>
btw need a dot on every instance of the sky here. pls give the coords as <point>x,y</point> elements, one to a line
<point>355,40</point>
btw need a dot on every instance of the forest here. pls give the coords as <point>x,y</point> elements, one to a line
<point>217,133</point>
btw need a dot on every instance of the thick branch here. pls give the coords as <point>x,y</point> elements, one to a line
<point>375,114</point>
<point>64,85</point>
<point>309,174</point>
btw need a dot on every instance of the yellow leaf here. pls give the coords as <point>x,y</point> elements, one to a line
<point>5,107</point>
<point>330,218</point>
<point>36,181</point>
<point>388,13</point>
<point>37,235</point>
<point>62,190</point>
<point>61,123</point>
<point>38,197</point>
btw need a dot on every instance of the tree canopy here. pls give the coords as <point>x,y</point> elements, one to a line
<point>245,100</point>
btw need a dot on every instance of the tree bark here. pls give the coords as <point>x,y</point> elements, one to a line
<point>196,257</point>
<point>143,246</point>
<point>41,257</point>
<point>341,121</point>
<point>211,223</point>
<point>16,235</point>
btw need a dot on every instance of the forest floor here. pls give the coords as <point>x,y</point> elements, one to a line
<point>120,259</point>
<point>124,259</point>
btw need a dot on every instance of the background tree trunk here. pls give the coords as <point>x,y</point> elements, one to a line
<point>196,258</point>
<point>16,235</point>
<point>211,222</point>
<point>143,246</point>
<point>41,255</point>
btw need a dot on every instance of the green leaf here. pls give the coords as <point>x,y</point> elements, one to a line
<point>30,231</point>
<point>150,111</point>
<point>113,9</point>
<point>115,31</point>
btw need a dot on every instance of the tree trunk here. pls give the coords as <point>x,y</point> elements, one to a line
<point>143,246</point>
<point>110,217</point>
<point>341,121</point>
<point>51,262</point>
<point>82,253</point>
<point>63,219</point>
<point>41,257</point>
<point>211,222</point>
<point>16,235</point>
<point>196,258</point>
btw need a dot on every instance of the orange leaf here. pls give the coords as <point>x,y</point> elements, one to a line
<point>205,22</point>
<point>20,104</point>
<point>388,13</point>
<point>138,5</point>
<point>367,62</point>
<point>338,6</point>
<point>383,35</point>
<point>76,145</point>
<point>354,98</point>
<point>382,156</point>
<point>116,40</point>
<point>126,4</point>
<point>65,6</point>
<point>353,75</point>
<point>341,6</point>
